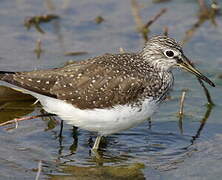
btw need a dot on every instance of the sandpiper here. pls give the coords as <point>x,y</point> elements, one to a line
<point>109,93</point>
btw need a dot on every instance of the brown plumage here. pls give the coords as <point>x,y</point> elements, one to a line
<point>100,82</point>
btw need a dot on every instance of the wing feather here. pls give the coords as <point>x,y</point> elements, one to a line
<point>95,83</point>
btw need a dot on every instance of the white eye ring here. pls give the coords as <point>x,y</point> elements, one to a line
<point>169,53</point>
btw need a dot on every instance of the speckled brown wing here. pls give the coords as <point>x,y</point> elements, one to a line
<point>36,81</point>
<point>39,81</point>
<point>100,82</point>
<point>98,89</point>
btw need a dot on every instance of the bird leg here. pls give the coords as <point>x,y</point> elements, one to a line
<point>96,143</point>
<point>61,129</point>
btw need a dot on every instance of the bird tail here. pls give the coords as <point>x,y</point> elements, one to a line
<point>7,72</point>
<point>3,73</point>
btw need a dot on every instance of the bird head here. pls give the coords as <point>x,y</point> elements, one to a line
<point>165,53</point>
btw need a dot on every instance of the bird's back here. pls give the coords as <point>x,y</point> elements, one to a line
<point>100,82</point>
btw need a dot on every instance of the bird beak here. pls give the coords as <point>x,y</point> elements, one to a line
<point>186,64</point>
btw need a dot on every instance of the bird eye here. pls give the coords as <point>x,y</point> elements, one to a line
<point>169,53</point>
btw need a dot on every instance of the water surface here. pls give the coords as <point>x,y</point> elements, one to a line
<point>159,151</point>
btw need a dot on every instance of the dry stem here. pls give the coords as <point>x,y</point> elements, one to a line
<point>39,170</point>
<point>16,120</point>
<point>202,4</point>
<point>154,18</point>
<point>144,28</point>
<point>181,112</point>
<point>136,14</point>
<point>182,103</point>
<point>165,31</point>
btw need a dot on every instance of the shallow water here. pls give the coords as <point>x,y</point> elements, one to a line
<point>160,151</point>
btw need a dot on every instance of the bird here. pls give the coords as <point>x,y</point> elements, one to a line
<point>108,93</point>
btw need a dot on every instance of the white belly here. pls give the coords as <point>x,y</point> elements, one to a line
<point>103,121</point>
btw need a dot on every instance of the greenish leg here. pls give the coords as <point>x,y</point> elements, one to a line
<point>96,144</point>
